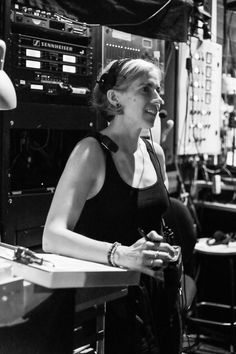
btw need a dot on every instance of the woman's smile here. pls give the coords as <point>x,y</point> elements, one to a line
<point>152,110</point>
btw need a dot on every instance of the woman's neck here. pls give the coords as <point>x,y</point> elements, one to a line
<point>124,136</point>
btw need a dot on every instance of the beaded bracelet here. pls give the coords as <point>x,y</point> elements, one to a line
<point>111,253</point>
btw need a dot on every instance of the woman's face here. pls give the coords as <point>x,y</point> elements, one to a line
<point>141,101</point>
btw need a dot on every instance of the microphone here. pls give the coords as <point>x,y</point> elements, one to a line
<point>163,114</point>
<point>169,126</point>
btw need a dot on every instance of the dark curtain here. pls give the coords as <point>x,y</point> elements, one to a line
<point>170,23</point>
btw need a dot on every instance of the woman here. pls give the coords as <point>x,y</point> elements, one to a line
<point>112,187</point>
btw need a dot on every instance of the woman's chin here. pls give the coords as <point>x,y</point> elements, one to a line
<point>150,123</point>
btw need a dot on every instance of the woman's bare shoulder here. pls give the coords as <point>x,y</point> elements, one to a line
<point>87,149</point>
<point>85,162</point>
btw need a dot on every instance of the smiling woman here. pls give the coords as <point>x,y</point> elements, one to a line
<point>114,185</point>
<point>124,76</point>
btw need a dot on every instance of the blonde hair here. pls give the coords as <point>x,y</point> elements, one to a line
<point>128,72</point>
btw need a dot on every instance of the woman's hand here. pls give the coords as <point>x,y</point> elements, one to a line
<point>146,255</point>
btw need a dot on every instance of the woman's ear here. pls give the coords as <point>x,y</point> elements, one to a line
<point>112,97</point>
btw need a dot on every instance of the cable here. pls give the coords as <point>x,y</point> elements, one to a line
<point>168,60</point>
<point>183,133</point>
<point>157,159</point>
<point>183,295</point>
<point>38,147</point>
<point>137,23</point>
<point>230,39</point>
<point>193,108</point>
<point>226,48</point>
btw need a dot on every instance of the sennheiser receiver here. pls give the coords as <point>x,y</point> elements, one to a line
<point>51,57</point>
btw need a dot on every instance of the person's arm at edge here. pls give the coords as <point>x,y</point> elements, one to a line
<point>78,182</point>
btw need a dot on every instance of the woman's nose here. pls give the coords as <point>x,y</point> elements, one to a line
<point>157,99</point>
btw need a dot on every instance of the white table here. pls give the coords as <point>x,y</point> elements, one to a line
<point>34,284</point>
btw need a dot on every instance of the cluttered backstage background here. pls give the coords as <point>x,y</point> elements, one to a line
<point>53,56</point>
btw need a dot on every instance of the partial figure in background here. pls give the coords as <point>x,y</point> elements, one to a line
<point>7,90</point>
<point>108,208</point>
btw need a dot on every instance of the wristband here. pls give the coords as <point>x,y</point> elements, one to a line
<point>111,253</point>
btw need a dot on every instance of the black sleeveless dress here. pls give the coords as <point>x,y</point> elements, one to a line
<point>137,323</point>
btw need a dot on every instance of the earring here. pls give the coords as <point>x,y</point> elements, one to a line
<point>119,108</point>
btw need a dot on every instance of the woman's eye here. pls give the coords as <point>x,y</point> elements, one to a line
<point>146,89</point>
<point>149,89</point>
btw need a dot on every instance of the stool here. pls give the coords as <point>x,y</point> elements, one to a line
<point>202,249</point>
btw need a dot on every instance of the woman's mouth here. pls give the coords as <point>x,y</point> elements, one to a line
<point>153,111</point>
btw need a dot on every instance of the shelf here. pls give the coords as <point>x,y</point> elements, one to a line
<point>215,205</point>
